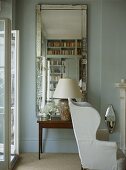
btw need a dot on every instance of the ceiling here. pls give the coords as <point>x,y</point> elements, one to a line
<point>62,23</point>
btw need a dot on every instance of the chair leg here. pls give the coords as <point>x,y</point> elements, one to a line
<point>83,168</point>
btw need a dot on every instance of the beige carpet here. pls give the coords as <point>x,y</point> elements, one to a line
<point>49,161</point>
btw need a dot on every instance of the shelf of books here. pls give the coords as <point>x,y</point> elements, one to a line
<point>64,47</point>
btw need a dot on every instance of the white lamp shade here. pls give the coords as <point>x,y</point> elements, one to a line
<point>67,88</point>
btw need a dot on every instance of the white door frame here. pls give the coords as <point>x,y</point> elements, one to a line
<point>5,164</point>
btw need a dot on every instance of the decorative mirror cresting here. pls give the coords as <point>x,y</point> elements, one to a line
<point>61,49</point>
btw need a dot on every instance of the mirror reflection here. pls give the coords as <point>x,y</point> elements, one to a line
<point>61,47</point>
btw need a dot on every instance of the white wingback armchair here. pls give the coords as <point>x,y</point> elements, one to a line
<point>94,154</point>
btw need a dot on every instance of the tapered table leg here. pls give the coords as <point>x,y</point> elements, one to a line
<point>40,140</point>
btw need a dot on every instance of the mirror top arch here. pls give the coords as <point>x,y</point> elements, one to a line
<point>62,21</point>
<point>48,7</point>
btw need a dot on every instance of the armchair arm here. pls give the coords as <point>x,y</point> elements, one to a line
<point>106,144</point>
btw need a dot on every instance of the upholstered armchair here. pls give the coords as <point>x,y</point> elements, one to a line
<point>94,154</point>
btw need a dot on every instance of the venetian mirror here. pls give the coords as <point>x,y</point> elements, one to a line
<point>61,49</point>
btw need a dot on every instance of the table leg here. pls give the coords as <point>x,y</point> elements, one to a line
<point>40,140</point>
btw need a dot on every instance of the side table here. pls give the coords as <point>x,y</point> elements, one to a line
<point>51,124</point>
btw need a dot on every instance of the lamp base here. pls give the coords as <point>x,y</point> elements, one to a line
<point>64,109</point>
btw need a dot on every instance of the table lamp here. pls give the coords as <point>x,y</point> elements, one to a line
<point>66,88</point>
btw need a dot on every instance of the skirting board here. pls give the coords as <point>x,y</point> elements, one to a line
<point>54,146</point>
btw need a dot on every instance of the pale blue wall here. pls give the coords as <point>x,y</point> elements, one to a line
<point>106,52</point>
<point>6,9</point>
<point>113,58</point>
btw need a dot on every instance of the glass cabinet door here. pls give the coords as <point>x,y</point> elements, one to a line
<point>5,91</point>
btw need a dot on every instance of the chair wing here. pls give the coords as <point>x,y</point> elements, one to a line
<point>85,119</point>
<point>94,154</point>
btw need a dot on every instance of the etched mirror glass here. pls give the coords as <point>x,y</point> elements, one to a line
<point>61,49</point>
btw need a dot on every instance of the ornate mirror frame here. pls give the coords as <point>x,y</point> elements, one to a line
<point>39,51</point>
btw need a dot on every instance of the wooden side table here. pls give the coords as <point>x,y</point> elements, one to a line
<point>51,124</point>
